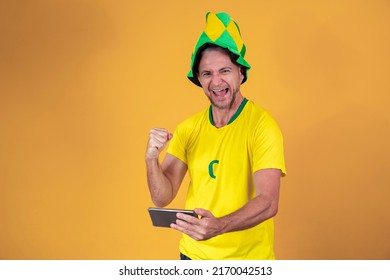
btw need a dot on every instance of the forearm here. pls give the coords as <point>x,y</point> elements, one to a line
<point>251,214</point>
<point>255,211</point>
<point>160,187</point>
<point>261,207</point>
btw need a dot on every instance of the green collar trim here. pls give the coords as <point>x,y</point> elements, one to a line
<point>235,116</point>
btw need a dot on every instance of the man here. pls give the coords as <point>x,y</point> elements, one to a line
<point>233,152</point>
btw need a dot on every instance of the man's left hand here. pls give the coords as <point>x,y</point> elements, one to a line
<point>204,228</point>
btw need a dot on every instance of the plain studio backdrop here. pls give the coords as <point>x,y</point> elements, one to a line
<point>82,83</point>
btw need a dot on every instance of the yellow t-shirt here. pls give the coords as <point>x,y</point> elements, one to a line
<point>221,163</point>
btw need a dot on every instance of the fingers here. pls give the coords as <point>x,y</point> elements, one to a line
<point>188,218</point>
<point>185,223</point>
<point>199,229</point>
<point>203,213</point>
<point>158,139</point>
<point>192,230</point>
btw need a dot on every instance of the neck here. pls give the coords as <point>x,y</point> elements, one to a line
<point>221,117</point>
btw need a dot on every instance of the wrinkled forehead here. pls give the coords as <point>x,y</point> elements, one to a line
<point>216,59</point>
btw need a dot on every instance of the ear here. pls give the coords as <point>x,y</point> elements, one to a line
<point>242,73</point>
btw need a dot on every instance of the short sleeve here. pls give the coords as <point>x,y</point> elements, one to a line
<point>268,146</point>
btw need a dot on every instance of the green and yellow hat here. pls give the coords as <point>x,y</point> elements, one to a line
<point>222,31</point>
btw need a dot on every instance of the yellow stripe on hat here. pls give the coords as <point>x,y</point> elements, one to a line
<point>214,27</point>
<point>235,34</point>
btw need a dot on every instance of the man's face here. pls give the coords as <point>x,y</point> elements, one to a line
<point>220,78</point>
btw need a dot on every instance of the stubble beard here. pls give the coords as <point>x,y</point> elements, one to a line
<point>227,106</point>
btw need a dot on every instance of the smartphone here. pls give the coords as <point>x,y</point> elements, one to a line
<point>164,217</point>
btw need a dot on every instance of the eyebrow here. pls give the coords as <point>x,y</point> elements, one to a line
<point>221,69</point>
<point>226,68</point>
<point>204,71</point>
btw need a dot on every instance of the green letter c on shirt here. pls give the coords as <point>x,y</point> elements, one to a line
<point>211,172</point>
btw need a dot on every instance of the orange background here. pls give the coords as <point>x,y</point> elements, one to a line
<point>82,82</point>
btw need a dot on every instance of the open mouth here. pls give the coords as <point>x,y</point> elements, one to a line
<point>220,92</point>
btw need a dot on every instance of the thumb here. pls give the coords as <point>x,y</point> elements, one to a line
<point>169,136</point>
<point>203,213</point>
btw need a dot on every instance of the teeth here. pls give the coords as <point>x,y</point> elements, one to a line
<point>218,90</point>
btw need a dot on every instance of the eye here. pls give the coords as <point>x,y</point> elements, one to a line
<point>205,74</point>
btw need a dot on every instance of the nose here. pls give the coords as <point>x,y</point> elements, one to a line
<point>216,79</point>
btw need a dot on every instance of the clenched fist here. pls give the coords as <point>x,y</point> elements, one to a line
<point>158,139</point>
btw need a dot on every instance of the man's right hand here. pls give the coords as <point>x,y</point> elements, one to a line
<point>158,139</point>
